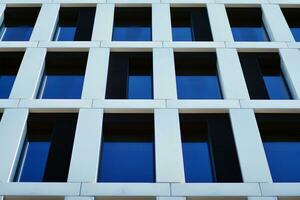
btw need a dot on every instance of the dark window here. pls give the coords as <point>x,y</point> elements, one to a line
<point>132,24</point>
<point>196,76</point>
<point>127,151</point>
<point>292,16</point>
<point>18,23</point>
<point>130,76</point>
<point>9,66</point>
<point>247,24</point>
<point>281,138</point>
<point>190,24</point>
<point>208,146</point>
<point>263,76</point>
<point>75,24</point>
<point>63,76</point>
<point>47,148</point>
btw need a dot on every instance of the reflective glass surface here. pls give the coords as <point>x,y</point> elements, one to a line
<point>62,87</point>
<point>132,34</point>
<point>140,87</point>
<point>182,34</point>
<point>127,162</point>
<point>197,163</point>
<point>249,34</point>
<point>6,84</point>
<point>65,33</point>
<point>276,87</point>
<point>35,155</point>
<point>296,33</point>
<point>198,87</point>
<point>284,160</point>
<point>16,33</point>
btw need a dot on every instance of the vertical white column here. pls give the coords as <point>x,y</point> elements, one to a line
<point>161,22</point>
<point>86,147</point>
<point>30,74</point>
<point>168,149</point>
<point>164,76</point>
<point>253,161</point>
<point>219,23</point>
<point>275,23</point>
<point>103,24</point>
<point>13,132</point>
<point>291,70</point>
<point>231,75</point>
<point>44,28</point>
<point>96,74</point>
<point>2,9</point>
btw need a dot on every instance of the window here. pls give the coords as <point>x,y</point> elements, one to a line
<point>64,75</point>
<point>190,24</point>
<point>127,151</point>
<point>247,24</point>
<point>263,76</point>
<point>47,148</point>
<point>196,76</point>
<point>130,76</point>
<point>132,24</point>
<point>9,67</point>
<point>292,16</point>
<point>281,138</point>
<point>209,152</point>
<point>18,23</point>
<point>75,24</point>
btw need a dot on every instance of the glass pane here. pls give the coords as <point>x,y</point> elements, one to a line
<point>197,163</point>
<point>140,87</point>
<point>284,160</point>
<point>276,87</point>
<point>182,34</point>
<point>6,84</point>
<point>249,34</point>
<point>132,34</point>
<point>198,87</point>
<point>17,33</point>
<point>62,87</point>
<point>65,33</point>
<point>296,33</point>
<point>127,162</point>
<point>34,161</point>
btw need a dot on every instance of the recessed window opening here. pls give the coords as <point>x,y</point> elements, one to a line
<point>292,16</point>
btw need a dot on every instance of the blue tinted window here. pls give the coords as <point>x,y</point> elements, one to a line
<point>197,163</point>
<point>284,160</point>
<point>140,87</point>
<point>249,34</point>
<point>65,33</point>
<point>17,33</point>
<point>276,87</point>
<point>182,34</point>
<point>198,87</point>
<point>132,34</point>
<point>6,84</point>
<point>62,87</point>
<point>296,33</point>
<point>35,155</point>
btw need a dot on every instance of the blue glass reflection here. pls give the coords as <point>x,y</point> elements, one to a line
<point>65,33</point>
<point>276,87</point>
<point>296,33</point>
<point>17,33</point>
<point>62,87</point>
<point>198,87</point>
<point>6,84</point>
<point>127,162</point>
<point>132,34</point>
<point>249,34</point>
<point>197,163</point>
<point>182,34</point>
<point>284,160</point>
<point>34,163</point>
<point>140,87</point>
